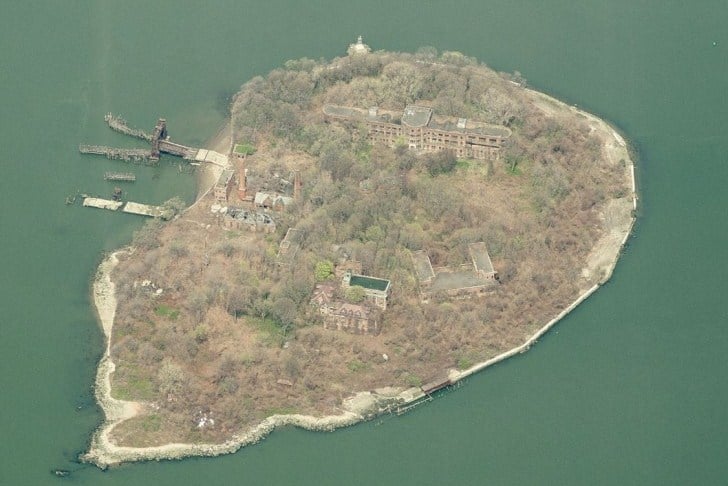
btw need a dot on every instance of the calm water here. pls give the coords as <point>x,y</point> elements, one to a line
<point>630,389</point>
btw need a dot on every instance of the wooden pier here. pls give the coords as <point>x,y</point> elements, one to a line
<point>128,155</point>
<point>119,124</point>
<point>159,141</point>
<point>120,176</point>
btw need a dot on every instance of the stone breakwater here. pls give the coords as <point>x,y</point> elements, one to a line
<point>104,454</point>
<point>364,405</point>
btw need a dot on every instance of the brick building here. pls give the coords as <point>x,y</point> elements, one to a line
<point>420,129</point>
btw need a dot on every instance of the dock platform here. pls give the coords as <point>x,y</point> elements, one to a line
<point>97,202</point>
<point>144,210</point>
<point>129,207</point>
<point>120,176</point>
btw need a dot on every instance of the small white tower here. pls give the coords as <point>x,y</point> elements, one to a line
<point>358,48</point>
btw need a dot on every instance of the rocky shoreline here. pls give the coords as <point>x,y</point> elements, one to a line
<point>364,405</point>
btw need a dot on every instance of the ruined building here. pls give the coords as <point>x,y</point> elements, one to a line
<point>467,280</point>
<point>361,318</point>
<point>223,186</point>
<point>419,129</point>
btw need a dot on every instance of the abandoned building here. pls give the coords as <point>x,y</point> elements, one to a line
<point>223,186</point>
<point>288,247</point>
<point>376,290</point>
<point>471,279</point>
<point>323,296</point>
<point>271,201</point>
<point>238,218</point>
<point>421,130</point>
<point>344,316</point>
<point>358,319</point>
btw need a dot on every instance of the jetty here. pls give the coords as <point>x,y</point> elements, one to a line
<point>145,210</point>
<point>128,207</point>
<point>127,155</point>
<point>118,124</point>
<point>120,176</point>
<point>159,141</point>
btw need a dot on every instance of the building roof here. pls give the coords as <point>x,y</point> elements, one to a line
<point>481,259</point>
<point>263,198</point>
<point>371,283</point>
<point>464,125</point>
<point>423,266</point>
<point>457,280</point>
<point>289,246</point>
<point>225,177</point>
<point>352,310</point>
<point>250,217</point>
<point>323,294</point>
<point>373,114</point>
<point>342,111</point>
<point>416,116</point>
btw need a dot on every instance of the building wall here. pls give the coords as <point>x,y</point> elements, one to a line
<point>481,147</point>
<point>352,324</point>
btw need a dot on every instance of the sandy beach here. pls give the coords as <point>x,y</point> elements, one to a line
<point>617,221</point>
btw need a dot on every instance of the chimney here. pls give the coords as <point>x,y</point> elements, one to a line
<point>242,178</point>
<point>297,184</point>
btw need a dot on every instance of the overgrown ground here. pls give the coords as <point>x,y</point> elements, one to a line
<point>230,323</point>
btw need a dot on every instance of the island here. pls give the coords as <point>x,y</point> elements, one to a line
<point>374,229</point>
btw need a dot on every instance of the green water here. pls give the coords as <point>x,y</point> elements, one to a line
<point>629,389</point>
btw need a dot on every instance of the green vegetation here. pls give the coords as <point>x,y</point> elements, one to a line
<point>167,311</point>
<point>323,270</point>
<point>413,380</point>
<point>356,366</point>
<point>355,294</point>
<point>244,149</point>
<point>151,423</point>
<point>465,362</point>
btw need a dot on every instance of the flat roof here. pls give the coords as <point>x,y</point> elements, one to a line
<point>480,256</point>
<point>343,111</point>
<point>371,283</point>
<point>457,280</point>
<point>423,266</point>
<point>358,114</point>
<point>225,177</point>
<point>468,126</point>
<point>416,116</point>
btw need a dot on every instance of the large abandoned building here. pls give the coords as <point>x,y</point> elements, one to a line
<point>359,318</point>
<point>472,279</point>
<point>419,128</point>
